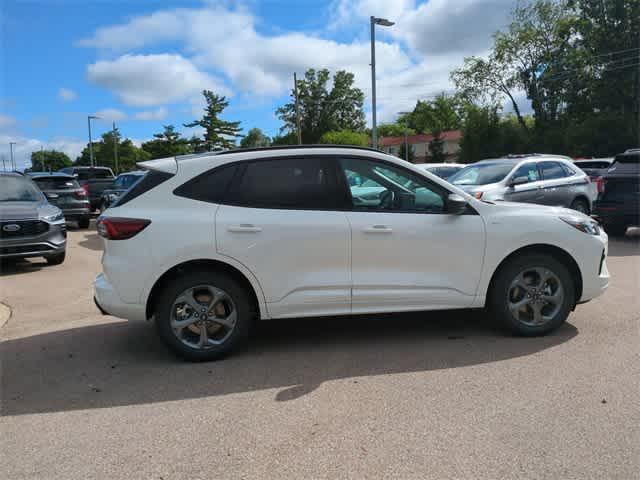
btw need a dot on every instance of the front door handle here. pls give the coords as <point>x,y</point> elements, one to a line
<point>244,228</point>
<point>378,229</point>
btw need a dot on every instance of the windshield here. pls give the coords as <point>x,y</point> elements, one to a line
<point>56,183</point>
<point>481,174</point>
<point>125,181</point>
<point>18,189</point>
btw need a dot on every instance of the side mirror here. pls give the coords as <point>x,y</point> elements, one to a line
<point>456,205</point>
<point>518,181</point>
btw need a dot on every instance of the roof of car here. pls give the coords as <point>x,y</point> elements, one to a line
<point>435,165</point>
<point>50,174</point>
<point>135,172</point>
<point>588,160</point>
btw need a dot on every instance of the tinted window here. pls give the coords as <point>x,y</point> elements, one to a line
<point>444,172</point>
<point>101,173</point>
<point>594,164</point>
<point>150,180</point>
<point>56,183</point>
<point>552,170</point>
<point>482,173</point>
<point>125,181</point>
<point>381,187</point>
<point>211,186</point>
<point>301,183</point>
<point>18,189</point>
<point>529,170</point>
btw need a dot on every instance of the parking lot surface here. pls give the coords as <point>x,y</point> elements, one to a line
<point>428,395</point>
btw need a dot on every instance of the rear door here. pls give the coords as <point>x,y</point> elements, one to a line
<point>282,220</point>
<point>556,183</point>
<point>529,192</point>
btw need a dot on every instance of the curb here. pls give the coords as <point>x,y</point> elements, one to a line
<point>5,314</point>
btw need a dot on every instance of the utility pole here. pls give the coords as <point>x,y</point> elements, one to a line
<point>42,158</point>
<point>295,92</point>
<point>13,163</point>
<point>115,147</point>
<point>384,23</point>
<point>89,118</point>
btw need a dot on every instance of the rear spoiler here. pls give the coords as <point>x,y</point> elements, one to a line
<point>166,165</point>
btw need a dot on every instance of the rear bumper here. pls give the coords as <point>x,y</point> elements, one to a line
<point>109,302</point>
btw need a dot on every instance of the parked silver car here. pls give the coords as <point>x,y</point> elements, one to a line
<point>543,179</point>
<point>29,225</point>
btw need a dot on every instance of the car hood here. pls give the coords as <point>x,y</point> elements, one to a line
<point>471,189</point>
<point>25,210</point>
<point>535,209</point>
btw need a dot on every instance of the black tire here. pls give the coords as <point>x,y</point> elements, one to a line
<point>616,229</point>
<point>580,205</point>
<point>238,336</point>
<point>498,300</point>
<point>56,259</point>
<point>84,222</point>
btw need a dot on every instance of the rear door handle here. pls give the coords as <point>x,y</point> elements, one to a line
<point>244,228</point>
<point>378,229</point>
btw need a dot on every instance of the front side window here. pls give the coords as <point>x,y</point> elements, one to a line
<point>381,187</point>
<point>297,183</point>
<point>528,170</point>
<point>552,170</point>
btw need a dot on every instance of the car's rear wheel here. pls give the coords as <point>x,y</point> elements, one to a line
<point>616,229</point>
<point>203,315</point>
<point>580,205</point>
<point>56,259</point>
<point>532,295</point>
<point>84,222</point>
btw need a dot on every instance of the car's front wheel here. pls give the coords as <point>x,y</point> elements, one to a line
<point>532,295</point>
<point>56,259</point>
<point>580,205</point>
<point>203,315</point>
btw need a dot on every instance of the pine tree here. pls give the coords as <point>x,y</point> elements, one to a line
<point>219,134</point>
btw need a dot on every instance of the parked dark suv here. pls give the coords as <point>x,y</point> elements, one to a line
<point>29,225</point>
<point>618,206</point>
<point>94,180</point>
<point>64,192</point>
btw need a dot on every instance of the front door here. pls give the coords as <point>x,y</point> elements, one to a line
<point>282,225</point>
<point>529,192</point>
<point>407,253</point>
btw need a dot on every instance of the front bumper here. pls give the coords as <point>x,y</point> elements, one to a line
<point>596,278</point>
<point>109,302</point>
<point>51,242</point>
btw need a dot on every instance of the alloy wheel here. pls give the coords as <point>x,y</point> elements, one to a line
<point>535,296</point>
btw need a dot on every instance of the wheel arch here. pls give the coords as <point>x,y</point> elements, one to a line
<point>206,264</point>
<point>558,253</point>
<point>584,198</point>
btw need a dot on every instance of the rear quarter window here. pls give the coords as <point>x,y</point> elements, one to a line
<point>211,186</point>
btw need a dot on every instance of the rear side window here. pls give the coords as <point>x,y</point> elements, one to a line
<point>529,170</point>
<point>297,183</point>
<point>552,170</point>
<point>150,180</point>
<point>56,183</point>
<point>209,187</point>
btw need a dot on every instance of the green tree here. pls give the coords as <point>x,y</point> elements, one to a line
<point>436,149</point>
<point>169,143</point>
<point>394,130</point>
<point>103,153</point>
<point>323,110</point>
<point>402,153</point>
<point>442,113</point>
<point>287,139</point>
<point>49,160</point>
<point>219,134</point>
<point>345,137</point>
<point>255,139</point>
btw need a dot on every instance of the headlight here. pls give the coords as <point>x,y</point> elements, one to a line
<point>56,217</point>
<point>590,227</point>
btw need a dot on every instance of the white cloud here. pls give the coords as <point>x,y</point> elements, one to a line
<point>147,80</point>
<point>7,121</point>
<point>24,146</point>
<point>67,95</point>
<point>158,114</point>
<point>111,115</point>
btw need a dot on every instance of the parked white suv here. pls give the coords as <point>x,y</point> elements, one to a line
<point>205,244</point>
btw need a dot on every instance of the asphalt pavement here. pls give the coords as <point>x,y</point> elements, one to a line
<point>428,395</point>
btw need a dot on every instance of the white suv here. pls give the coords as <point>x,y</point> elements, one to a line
<point>204,244</point>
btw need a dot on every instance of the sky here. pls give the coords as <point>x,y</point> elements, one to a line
<point>144,63</point>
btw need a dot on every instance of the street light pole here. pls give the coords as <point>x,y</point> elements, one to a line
<point>384,23</point>
<point>13,163</point>
<point>115,147</point>
<point>89,118</point>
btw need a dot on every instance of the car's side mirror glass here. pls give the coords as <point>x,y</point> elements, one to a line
<point>456,204</point>
<point>518,181</point>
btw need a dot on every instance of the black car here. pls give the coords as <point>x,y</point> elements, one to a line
<point>618,206</point>
<point>94,180</point>
<point>122,183</point>
<point>65,192</point>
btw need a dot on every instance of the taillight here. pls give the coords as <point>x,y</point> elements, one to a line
<point>116,228</point>
<point>85,188</point>
<point>600,184</point>
<point>81,193</point>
